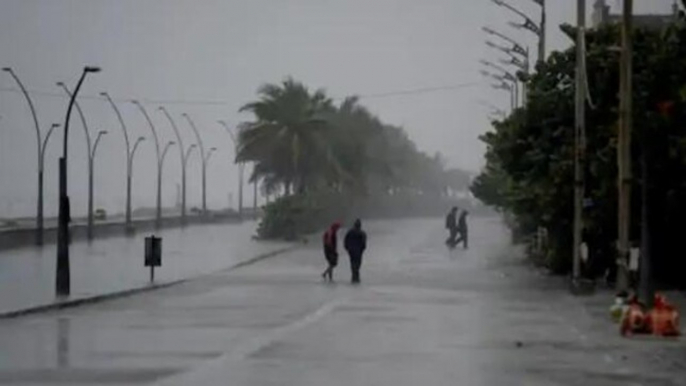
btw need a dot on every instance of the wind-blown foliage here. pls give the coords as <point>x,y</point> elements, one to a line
<point>304,144</point>
<point>530,156</point>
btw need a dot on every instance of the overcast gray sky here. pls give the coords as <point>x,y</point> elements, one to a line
<point>222,51</point>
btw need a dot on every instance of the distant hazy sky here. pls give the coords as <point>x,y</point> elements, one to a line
<point>223,50</point>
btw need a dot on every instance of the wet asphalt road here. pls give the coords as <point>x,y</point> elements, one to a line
<point>422,316</point>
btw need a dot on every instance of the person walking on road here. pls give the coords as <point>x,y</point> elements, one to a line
<point>355,244</point>
<point>451,225</point>
<point>331,250</point>
<point>462,230</point>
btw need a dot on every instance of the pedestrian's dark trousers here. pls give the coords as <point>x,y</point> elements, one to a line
<point>453,237</point>
<point>464,238</point>
<point>355,263</point>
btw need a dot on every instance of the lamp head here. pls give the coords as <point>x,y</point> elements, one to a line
<point>141,138</point>
<point>213,149</point>
<point>7,69</point>
<point>170,143</point>
<point>55,125</point>
<point>102,132</point>
<point>92,69</point>
<point>104,93</point>
<point>60,84</point>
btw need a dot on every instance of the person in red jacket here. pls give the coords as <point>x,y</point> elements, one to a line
<point>331,250</point>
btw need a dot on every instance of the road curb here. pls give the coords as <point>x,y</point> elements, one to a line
<point>72,303</point>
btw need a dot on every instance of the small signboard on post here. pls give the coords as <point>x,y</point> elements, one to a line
<point>153,254</point>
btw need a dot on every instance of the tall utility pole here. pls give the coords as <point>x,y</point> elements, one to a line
<point>542,27</point>
<point>580,137</point>
<point>624,148</point>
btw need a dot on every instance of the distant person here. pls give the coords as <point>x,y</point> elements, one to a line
<point>355,244</point>
<point>462,229</point>
<point>451,226</point>
<point>331,250</point>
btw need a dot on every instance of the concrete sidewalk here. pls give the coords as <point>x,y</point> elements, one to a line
<point>422,316</point>
<point>108,266</point>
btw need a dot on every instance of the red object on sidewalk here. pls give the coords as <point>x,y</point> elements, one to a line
<point>663,319</point>
<point>634,319</point>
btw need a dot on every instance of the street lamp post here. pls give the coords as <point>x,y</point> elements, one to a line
<point>538,29</point>
<point>521,64</point>
<point>129,173</point>
<point>183,156</point>
<point>493,109</point>
<point>186,157</point>
<point>89,148</point>
<point>241,167</point>
<point>506,76</point>
<point>62,274</point>
<point>205,160</point>
<point>91,177</point>
<point>507,87</point>
<point>129,159</point>
<point>202,157</point>
<point>40,147</point>
<point>160,160</point>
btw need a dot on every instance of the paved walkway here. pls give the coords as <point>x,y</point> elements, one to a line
<point>422,316</point>
<point>27,275</point>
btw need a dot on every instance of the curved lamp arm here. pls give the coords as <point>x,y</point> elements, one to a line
<point>197,134</point>
<point>31,106</point>
<point>231,134</point>
<point>164,152</point>
<point>121,123</point>
<point>188,153</point>
<point>81,115</point>
<point>44,145</point>
<point>152,127</point>
<point>97,141</point>
<point>176,132</point>
<point>135,146</point>
<point>209,154</point>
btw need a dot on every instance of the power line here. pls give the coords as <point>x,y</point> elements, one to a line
<point>423,90</point>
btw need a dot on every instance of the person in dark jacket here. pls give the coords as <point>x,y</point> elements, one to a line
<point>331,250</point>
<point>355,244</point>
<point>462,229</point>
<point>451,225</point>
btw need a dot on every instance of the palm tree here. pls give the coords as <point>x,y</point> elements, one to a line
<point>287,139</point>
